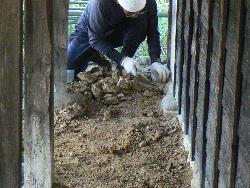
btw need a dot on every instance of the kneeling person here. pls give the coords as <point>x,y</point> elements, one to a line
<point>108,24</point>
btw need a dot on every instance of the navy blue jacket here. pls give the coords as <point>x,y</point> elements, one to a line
<point>103,18</point>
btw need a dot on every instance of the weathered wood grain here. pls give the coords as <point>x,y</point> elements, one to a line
<point>38,127</point>
<point>170,22</point>
<point>243,164</point>
<point>193,92</point>
<point>231,95</point>
<point>204,86</point>
<point>172,43</point>
<point>180,51</point>
<point>188,30</point>
<point>216,88</point>
<point>60,26</point>
<point>10,93</point>
<point>177,47</point>
<point>219,88</point>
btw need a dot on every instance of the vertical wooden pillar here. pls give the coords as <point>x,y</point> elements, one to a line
<point>243,162</point>
<point>38,128</point>
<point>179,51</point>
<point>169,32</point>
<point>193,92</point>
<point>204,85</point>
<point>60,28</point>
<point>188,30</point>
<point>214,122</point>
<point>232,93</point>
<point>172,42</point>
<point>10,93</point>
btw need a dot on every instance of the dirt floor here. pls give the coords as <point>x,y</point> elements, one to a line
<point>118,137</point>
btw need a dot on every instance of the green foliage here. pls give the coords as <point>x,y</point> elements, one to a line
<point>71,26</point>
<point>163,29</point>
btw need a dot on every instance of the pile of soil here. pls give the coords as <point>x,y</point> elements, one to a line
<point>130,144</point>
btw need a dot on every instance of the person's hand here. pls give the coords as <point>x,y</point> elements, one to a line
<point>130,65</point>
<point>160,73</point>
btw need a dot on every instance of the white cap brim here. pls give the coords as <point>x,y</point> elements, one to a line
<point>132,5</point>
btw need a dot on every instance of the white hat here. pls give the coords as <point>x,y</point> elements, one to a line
<point>132,5</point>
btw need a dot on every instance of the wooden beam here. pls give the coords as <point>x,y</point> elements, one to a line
<point>172,41</point>
<point>179,51</point>
<point>38,114</point>
<point>214,122</point>
<point>169,32</point>
<point>193,92</point>
<point>10,93</point>
<point>188,30</point>
<point>204,86</point>
<point>60,27</point>
<point>232,94</point>
<point>243,158</point>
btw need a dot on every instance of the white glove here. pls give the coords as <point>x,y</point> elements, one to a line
<point>160,73</point>
<point>130,65</point>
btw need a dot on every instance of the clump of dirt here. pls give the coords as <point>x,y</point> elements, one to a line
<point>116,136</point>
<point>129,144</point>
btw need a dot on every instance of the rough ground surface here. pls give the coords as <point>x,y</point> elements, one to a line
<point>126,143</point>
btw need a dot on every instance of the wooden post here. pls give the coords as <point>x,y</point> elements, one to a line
<point>232,94</point>
<point>38,128</point>
<point>172,43</point>
<point>243,164</point>
<point>214,122</point>
<point>10,93</point>
<point>188,30</point>
<point>170,23</point>
<point>60,18</point>
<point>179,51</point>
<point>193,92</point>
<point>204,85</point>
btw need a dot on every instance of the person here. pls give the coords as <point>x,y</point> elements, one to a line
<point>108,24</point>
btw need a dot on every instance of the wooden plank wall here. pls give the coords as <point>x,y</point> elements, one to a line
<point>38,113</point>
<point>45,40</point>
<point>211,81</point>
<point>10,93</point>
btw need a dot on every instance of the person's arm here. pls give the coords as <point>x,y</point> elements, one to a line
<point>153,34</point>
<point>98,26</point>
